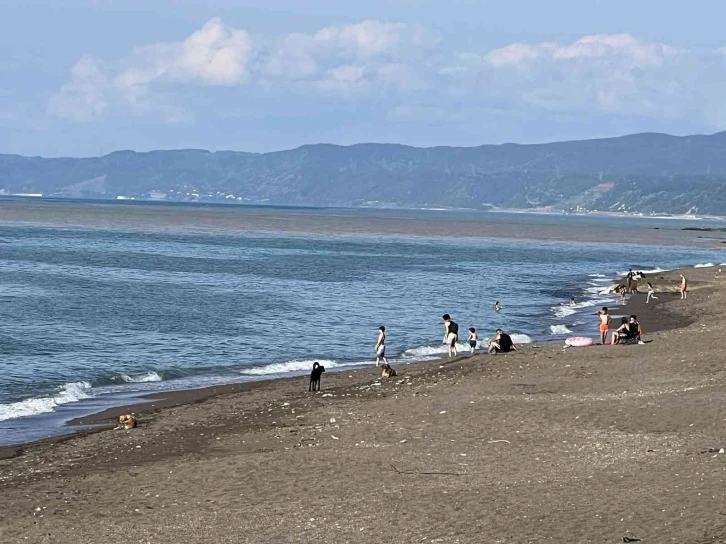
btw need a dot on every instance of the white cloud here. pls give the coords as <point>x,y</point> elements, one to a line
<point>625,49</point>
<point>82,99</point>
<point>365,56</point>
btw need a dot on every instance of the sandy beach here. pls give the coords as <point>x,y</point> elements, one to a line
<point>543,445</point>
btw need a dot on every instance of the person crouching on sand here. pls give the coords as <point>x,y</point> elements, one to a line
<point>604,324</point>
<point>451,335</point>
<point>381,346</point>
<point>501,343</point>
<point>472,340</point>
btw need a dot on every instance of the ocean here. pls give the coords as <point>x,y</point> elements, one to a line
<point>95,311</point>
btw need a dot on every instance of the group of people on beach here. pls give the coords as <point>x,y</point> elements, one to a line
<point>500,343</point>
<point>628,331</point>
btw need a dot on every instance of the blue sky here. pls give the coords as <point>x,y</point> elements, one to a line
<point>84,77</point>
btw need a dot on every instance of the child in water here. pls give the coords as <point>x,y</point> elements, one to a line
<point>472,340</point>
<point>497,306</point>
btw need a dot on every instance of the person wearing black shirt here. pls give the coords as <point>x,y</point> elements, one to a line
<point>501,343</point>
<point>451,335</point>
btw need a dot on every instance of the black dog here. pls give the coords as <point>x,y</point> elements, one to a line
<point>318,369</point>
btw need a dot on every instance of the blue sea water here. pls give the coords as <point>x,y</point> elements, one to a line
<point>91,316</point>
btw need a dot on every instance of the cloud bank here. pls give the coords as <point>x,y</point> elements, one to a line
<point>405,68</point>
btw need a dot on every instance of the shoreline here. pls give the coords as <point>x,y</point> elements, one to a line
<point>153,403</point>
<point>593,443</point>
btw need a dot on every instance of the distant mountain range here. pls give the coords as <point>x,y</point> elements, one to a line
<point>648,173</point>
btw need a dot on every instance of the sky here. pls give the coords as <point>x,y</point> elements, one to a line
<point>88,77</point>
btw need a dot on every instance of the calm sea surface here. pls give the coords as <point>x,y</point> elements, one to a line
<point>94,310</point>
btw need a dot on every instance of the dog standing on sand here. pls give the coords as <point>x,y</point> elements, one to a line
<point>318,369</point>
<point>387,371</point>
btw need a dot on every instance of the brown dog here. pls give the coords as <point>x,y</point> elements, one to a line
<point>126,421</point>
<point>387,371</point>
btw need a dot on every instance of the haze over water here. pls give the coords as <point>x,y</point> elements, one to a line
<point>99,301</point>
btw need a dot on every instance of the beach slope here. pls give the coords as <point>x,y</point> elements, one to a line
<point>545,445</point>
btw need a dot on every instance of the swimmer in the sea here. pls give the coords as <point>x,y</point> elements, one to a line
<point>572,301</point>
<point>472,340</point>
<point>497,306</point>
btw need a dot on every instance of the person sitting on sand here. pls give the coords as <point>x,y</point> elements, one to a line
<point>501,343</point>
<point>381,346</point>
<point>472,340</point>
<point>651,293</point>
<point>604,324</point>
<point>621,332</point>
<point>451,335</point>
<point>684,287</point>
<point>635,329</point>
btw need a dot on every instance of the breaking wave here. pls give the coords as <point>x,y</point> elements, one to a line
<point>148,377</point>
<point>70,392</point>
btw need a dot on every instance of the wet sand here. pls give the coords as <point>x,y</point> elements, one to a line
<point>544,445</point>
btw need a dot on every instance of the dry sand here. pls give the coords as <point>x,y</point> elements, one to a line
<point>545,445</point>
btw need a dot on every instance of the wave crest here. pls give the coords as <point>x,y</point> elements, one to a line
<point>289,366</point>
<point>148,377</point>
<point>70,392</point>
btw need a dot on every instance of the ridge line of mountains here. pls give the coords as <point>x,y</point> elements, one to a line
<point>640,173</point>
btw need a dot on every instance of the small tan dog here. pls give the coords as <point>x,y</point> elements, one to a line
<point>126,421</point>
<point>387,371</point>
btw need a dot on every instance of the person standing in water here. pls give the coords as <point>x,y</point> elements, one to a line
<point>472,340</point>
<point>684,287</point>
<point>604,324</point>
<point>451,335</point>
<point>651,293</point>
<point>381,346</point>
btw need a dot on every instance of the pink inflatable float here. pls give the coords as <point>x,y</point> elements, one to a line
<point>578,341</point>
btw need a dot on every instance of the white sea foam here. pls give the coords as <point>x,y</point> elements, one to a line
<point>560,329</point>
<point>704,265</point>
<point>148,377</point>
<point>289,366</point>
<point>564,311</point>
<point>520,338</point>
<point>596,275</point>
<point>646,272</point>
<point>70,392</point>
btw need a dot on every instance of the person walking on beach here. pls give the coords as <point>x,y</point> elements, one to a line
<point>451,335</point>
<point>630,279</point>
<point>381,346</point>
<point>472,340</point>
<point>651,293</point>
<point>604,324</point>
<point>622,294</point>
<point>684,287</point>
